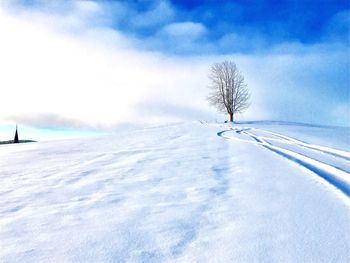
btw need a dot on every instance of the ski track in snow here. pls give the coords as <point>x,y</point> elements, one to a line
<point>338,177</point>
<point>337,153</point>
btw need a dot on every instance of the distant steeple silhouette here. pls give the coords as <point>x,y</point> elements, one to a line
<point>16,136</point>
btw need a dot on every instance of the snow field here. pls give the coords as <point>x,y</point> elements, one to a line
<point>176,193</point>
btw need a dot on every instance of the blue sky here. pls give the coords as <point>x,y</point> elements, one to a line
<point>223,26</point>
<point>75,54</point>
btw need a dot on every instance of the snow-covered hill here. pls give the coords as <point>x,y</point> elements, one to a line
<point>260,192</point>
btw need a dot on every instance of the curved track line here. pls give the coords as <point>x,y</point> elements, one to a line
<point>335,152</point>
<point>220,134</point>
<point>338,178</point>
<point>241,131</point>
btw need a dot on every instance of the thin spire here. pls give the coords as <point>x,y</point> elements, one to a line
<point>16,136</point>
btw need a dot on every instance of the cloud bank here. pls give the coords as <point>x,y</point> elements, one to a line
<point>102,63</point>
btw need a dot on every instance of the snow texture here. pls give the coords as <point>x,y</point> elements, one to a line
<point>257,192</point>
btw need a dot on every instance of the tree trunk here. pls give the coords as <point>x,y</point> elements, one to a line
<point>231,117</point>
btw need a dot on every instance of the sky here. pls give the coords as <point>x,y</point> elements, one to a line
<point>105,65</point>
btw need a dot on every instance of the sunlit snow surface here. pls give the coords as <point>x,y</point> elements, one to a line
<point>259,192</point>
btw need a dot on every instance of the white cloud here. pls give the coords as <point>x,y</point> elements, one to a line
<point>48,73</point>
<point>58,70</point>
<point>181,38</point>
<point>88,6</point>
<point>185,30</point>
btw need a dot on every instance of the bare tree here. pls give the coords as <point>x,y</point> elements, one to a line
<point>229,92</point>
